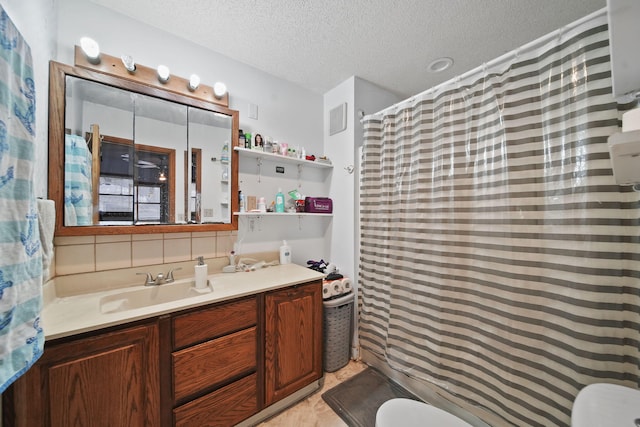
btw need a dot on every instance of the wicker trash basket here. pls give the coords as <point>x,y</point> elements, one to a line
<point>338,314</point>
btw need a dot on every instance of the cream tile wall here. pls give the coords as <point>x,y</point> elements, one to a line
<point>85,254</point>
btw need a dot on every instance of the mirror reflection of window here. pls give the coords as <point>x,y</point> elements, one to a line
<point>116,186</point>
<point>135,183</point>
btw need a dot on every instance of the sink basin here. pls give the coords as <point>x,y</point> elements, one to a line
<point>606,405</point>
<point>151,295</point>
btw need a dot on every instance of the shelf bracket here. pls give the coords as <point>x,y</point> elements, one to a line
<point>299,175</point>
<point>259,166</point>
<point>253,221</point>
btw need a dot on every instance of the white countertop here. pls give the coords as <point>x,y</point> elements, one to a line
<point>65,316</point>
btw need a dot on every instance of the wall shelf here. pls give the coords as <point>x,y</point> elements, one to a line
<point>245,152</point>
<point>274,214</point>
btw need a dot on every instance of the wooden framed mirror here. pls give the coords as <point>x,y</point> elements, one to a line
<point>127,157</point>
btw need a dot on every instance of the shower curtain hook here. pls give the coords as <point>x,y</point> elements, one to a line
<point>561,33</point>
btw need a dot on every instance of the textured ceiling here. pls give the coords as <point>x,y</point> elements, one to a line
<point>319,44</point>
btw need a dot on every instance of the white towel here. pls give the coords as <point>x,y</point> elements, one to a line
<point>47,224</point>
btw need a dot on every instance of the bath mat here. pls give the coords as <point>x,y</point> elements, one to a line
<point>357,399</point>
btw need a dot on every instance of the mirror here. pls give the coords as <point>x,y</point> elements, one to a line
<point>129,158</point>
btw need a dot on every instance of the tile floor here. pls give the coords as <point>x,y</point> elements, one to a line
<point>313,411</point>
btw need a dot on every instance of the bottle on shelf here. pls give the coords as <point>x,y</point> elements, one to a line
<point>224,156</point>
<point>279,201</point>
<point>242,206</point>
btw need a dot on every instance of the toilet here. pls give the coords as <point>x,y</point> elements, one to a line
<point>604,404</point>
<point>411,413</point>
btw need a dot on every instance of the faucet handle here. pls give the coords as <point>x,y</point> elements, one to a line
<point>149,280</point>
<point>170,274</point>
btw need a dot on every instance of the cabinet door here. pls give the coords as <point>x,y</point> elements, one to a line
<point>293,339</point>
<point>111,379</point>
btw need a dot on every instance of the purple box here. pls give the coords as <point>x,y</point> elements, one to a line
<point>318,205</point>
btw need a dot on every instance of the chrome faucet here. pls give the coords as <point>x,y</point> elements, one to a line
<point>160,278</point>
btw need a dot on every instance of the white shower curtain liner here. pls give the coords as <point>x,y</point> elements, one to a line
<point>500,262</point>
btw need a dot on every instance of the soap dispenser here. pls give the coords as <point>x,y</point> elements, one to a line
<point>201,274</point>
<point>285,253</point>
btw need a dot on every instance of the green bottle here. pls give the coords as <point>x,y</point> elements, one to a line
<point>279,201</point>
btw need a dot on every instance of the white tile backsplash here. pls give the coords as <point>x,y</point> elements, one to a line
<point>113,238</point>
<point>84,254</point>
<point>156,236</point>
<point>176,250</point>
<point>147,252</point>
<point>73,240</point>
<point>110,256</point>
<point>72,259</point>
<point>203,246</point>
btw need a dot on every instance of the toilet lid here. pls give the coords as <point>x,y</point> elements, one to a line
<point>604,404</point>
<point>411,413</point>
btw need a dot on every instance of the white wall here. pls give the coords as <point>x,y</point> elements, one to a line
<point>286,112</point>
<point>340,149</point>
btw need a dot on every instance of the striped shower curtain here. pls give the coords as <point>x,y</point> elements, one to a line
<point>499,260</point>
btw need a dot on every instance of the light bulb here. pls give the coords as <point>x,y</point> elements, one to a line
<point>162,177</point>
<point>90,48</point>
<point>163,73</point>
<point>194,82</point>
<point>219,89</point>
<point>129,63</point>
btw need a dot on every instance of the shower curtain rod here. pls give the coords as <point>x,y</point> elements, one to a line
<point>502,58</point>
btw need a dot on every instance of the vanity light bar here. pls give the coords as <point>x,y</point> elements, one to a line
<point>149,76</point>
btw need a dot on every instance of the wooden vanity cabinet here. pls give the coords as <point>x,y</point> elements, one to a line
<point>215,361</point>
<point>293,339</point>
<point>109,379</point>
<point>215,365</point>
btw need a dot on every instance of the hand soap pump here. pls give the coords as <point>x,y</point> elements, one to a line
<point>285,253</point>
<point>201,274</point>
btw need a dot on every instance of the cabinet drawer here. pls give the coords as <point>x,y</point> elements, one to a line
<point>199,326</point>
<point>199,367</point>
<point>224,407</point>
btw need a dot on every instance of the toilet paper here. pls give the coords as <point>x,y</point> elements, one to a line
<point>336,288</point>
<point>326,290</point>
<point>631,120</point>
<point>346,285</point>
